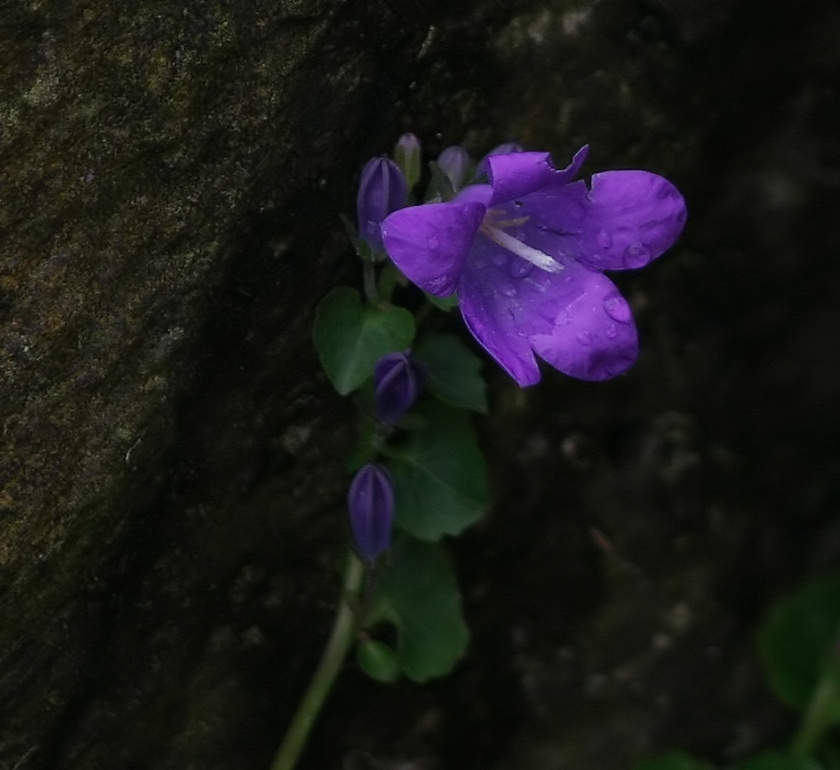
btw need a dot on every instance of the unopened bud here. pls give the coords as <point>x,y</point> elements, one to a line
<point>454,162</point>
<point>370,503</point>
<point>397,380</point>
<point>381,190</point>
<point>407,154</point>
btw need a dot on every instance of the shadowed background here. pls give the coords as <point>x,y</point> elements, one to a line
<point>171,458</point>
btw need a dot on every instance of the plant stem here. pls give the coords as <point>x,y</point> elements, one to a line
<point>330,664</point>
<point>369,281</point>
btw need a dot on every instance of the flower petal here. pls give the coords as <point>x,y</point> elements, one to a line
<point>429,243</point>
<point>594,337</point>
<point>626,220</point>
<point>489,302</point>
<point>519,174</point>
<point>576,319</point>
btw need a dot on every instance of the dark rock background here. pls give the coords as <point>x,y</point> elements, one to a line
<point>171,474</point>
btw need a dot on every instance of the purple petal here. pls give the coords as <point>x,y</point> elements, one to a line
<point>429,243</point>
<point>500,299</point>
<point>626,220</point>
<point>594,336</point>
<point>519,174</point>
<point>576,319</point>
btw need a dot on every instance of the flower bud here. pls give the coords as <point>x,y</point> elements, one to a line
<point>407,155</point>
<point>454,162</point>
<point>381,190</point>
<point>397,380</point>
<point>370,502</point>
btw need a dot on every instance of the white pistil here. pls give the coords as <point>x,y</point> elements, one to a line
<point>536,257</point>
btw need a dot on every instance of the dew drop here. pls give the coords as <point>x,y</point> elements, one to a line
<point>611,332</point>
<point>499,259</point>
<point>617,308</point>
<point>509,290</point>
<point>636,255</point>
<point>433,243</point>
<point>584,338</point>
<point>603,239</point>
<point>519,268</point>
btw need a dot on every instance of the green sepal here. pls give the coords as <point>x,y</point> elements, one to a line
<point>418,594</point>
<point>454,372</point>
<point>351,337</point>
<point>378,660</point>
<point>441,186</point>
<point>446,304</point>
<point>439,474</point>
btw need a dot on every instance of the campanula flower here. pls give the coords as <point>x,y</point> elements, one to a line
<point>397,380</point>
<point>525,253</point>
<point>370,503</point>
<point>382,189</point>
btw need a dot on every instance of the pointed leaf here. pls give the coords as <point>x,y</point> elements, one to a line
<point>796,641</point>
<point>350,337</point>
<point>418,593</point>
<point>454,372</point>
<point>440,475</point>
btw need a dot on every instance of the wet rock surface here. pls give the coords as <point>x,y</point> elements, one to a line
<point>171,476</point>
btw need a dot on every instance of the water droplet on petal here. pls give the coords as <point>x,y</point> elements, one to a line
<point>636,255</point>
<point>584,338</point>
<point>617,308</point>
<point>499,259</point>
<point>611,332</point>
<point>519,268</point>
<point>433,243</point>
<point>508,289</point>
<point>603,239</point>
<point>568,279</point>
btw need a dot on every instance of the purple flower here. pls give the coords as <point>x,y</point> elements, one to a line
<point>370,502</point>
<point>382,189</point>
<point>525,254</point>
<point>397,379</point>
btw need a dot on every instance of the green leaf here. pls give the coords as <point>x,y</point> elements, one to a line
<point>418,594</point>
<point>350,338</point>
<point>796,638</point>
<point>440,475</point>
<point>774,760</point>
<point>454,372</point>
<point>378,660</point>
<point>675,760</point>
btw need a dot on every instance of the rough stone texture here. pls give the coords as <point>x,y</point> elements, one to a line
<point>171,460</point>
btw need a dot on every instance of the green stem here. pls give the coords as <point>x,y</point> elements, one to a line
<point>369,281</point>
<point>343,633</point>
<point>817,717</point>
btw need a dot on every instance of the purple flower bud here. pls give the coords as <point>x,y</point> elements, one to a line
<point>397,380</point>
<point>407,154</point>
<point>370,502</point>
<point>454,162</point>
<point>505,149</point>
<point>382,190</point>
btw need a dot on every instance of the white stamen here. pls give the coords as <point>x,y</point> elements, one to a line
<point>536,257</point>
